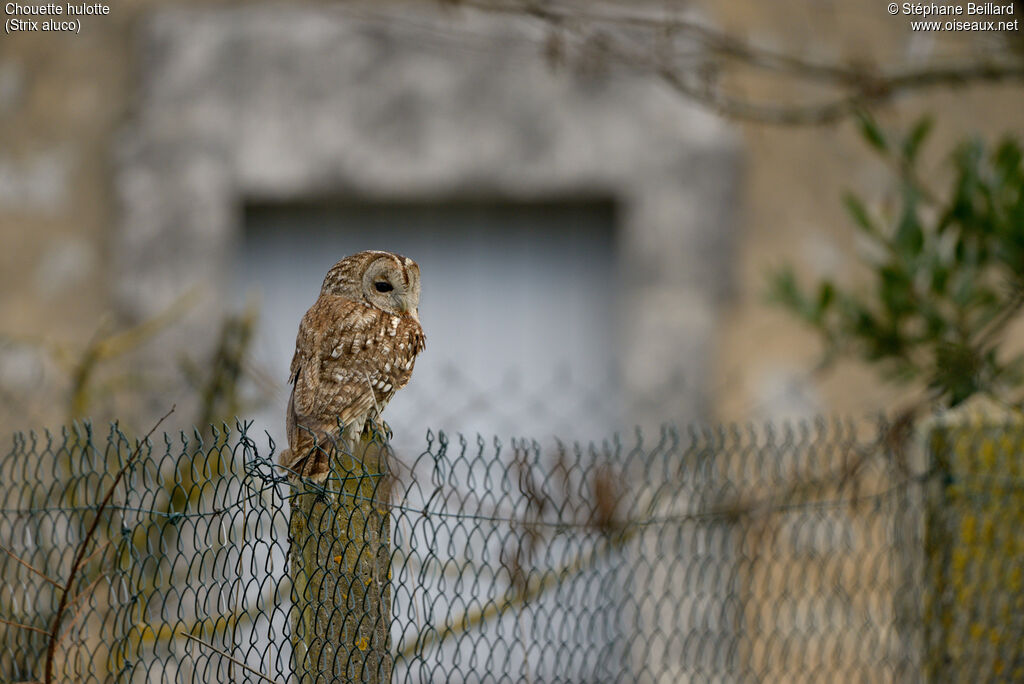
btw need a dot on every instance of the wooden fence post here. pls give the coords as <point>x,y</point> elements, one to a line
<point>973,553</point>
<point>340,548</point>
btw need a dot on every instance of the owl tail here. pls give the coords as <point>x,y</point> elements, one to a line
<point>287,460</point>
<point>313,465</point>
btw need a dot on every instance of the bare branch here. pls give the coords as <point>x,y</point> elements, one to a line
<point>105,346</point>
<point>80,555</point>
<point>99,549</point>
<point>224,654</point>
<point>21,626</point>
<point>30,568</point>
<point>534,587</point>
<point>859,86</point>
<point>86,591</point>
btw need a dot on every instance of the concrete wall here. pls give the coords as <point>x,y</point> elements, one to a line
<point>281,104</point>
<point>68,105</point>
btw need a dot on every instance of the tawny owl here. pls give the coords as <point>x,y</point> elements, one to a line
<point>356,347</point>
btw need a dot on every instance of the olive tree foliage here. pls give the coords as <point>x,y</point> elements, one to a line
<point>946,272</point>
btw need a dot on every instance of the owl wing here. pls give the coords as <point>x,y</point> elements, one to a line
<point>330,368</point>
<point>304,383</point>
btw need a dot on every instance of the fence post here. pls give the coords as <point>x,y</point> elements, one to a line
<point>973,554</point>
<point>340,549</point>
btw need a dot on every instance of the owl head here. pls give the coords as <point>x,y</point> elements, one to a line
<point>387,281</point>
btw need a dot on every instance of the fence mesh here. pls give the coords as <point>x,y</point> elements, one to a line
<point>790,554</point>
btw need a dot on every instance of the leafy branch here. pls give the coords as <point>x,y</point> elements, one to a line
<point>947,278</point>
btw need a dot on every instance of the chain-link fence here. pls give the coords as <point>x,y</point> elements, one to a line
<point>790,554</point>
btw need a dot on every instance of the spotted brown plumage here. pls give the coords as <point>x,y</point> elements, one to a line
<point>356,347</point>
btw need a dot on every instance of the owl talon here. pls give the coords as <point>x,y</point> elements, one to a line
<point>374,428</point>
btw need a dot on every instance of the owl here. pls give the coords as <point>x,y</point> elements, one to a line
<point>356,347</point>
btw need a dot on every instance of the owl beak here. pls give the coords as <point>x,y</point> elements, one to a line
<point>401,303</point>
<point>405,306</point>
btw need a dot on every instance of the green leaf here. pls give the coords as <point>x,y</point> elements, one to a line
<point>826,295</point>
<point>859,213</point>
<point>783,291</point>
<point>917,135</point>
<point>894,290</point>
<point>781,286</point>
<point>939,279</point>
<point>1007,159</point>
<point>909,239</point>
<point>871,132</point>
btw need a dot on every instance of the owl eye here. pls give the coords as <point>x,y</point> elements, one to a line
<point>383,286</point>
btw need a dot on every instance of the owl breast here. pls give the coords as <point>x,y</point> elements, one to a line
<point>374,356</point>
<point>400,339</point>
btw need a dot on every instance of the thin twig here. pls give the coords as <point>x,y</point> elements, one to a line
<point>151,634</point>
<point>862,86</point>
<point>99,549</point>
<point>21,626</point>
<point>536,585</point>
<point>75,601</point>
<point>30,568</point>
<point>51,649</point>
<point>228,656</point>
<point>996,324</point>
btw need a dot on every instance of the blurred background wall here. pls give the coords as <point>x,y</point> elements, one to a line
<point>167,148</point>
